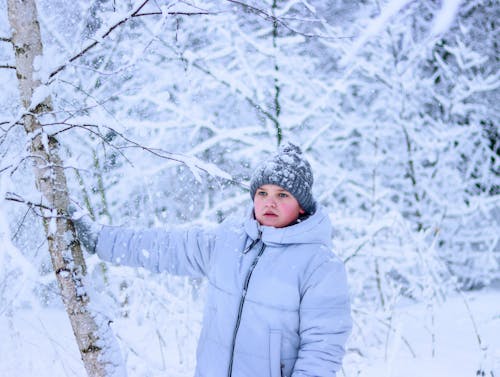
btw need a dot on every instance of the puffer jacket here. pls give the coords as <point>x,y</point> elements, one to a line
<point>277,304</point>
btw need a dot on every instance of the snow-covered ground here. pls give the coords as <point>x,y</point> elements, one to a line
<point>40,343</point>
<point>443,345</point>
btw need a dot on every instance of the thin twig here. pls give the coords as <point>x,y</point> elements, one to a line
<point>473,320</point>
<point>16,123</point>
<point>35,157</point>
<point>4,39</point>
<point>5,168</point>
<point>21,222</point>
<point>95,43</point>
<point>269,17</point>
<point>403,338</point>
<point>88,128</point>
<point>158,152</point>
<point>71,113</point>
<point>13,197</point>
<point>121,22</point>
<point>5,131</point>
<point>6,66</point>
<point>356,251</point>
<point>466,304</point>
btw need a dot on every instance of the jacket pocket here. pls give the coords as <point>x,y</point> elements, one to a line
<point>275,353</point>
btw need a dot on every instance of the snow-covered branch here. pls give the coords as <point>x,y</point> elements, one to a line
<point>134,14</point>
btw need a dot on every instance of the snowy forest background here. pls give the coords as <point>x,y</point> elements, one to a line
<point>161,120</point>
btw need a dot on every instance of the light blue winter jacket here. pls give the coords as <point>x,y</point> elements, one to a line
<point>277,304</point>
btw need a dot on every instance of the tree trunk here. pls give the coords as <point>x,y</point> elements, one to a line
<point>98,348</point>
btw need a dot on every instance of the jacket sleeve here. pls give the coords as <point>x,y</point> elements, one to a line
<point>179,252</point>
<point>325,321</point>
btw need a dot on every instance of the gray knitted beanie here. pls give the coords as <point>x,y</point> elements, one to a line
<point>289,170</point>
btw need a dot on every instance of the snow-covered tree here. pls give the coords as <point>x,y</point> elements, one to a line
<point>393,102</point>
<point>93,336</point>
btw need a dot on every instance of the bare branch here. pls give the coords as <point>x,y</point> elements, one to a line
<point>255,10</point>
<point>20,224</point>
<point>11,125</point>
<point>251,101</point>
<point>270,116</point>
<point>5,168</point>
<point>182,159</point>
<point>11,196</point>
<point>5,131</point>
<point>33,157</point>
<point>227,84</point>
<point>134,14</point>
<point>6,40</point>
<point>36,208</point>
<point>90,128</point>
<point>390,328</point>
<point>6,66</point>
<point>269,17</point>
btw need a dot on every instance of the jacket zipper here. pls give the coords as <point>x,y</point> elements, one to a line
<point>242,302</point>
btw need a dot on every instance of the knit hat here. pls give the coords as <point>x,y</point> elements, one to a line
<point>289,170</point>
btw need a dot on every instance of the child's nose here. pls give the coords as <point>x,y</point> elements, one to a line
<point>271,202</point>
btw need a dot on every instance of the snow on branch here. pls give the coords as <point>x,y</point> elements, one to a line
<point>445,17</point>
<point>6,127</point>
<point>13,197</point>
<point>40,94</point>
<point>441,23</point>
<point>270,116</point>
<point>134,14</point>
<point>194,164</point>
<point>374,27</point>
<point>269,17</point>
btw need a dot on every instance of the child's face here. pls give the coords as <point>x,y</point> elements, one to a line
<point>274,206</point>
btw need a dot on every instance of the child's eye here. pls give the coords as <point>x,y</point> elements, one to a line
<point>261,193</point>
<point>283,195</point>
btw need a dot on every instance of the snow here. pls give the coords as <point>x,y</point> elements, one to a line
<point>164,121</point>
<point>443,339</point>
<point>40,342</point>
<point>445,16</point>
<point>39,95</point>
<point>179,7</point>
<point>375,25</point>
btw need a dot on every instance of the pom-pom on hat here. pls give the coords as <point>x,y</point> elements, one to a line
<point>289,170</point>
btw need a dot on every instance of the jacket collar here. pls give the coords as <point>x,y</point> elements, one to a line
<point>316,229</point>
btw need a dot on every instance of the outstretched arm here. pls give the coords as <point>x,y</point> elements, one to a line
<point>180,252</point>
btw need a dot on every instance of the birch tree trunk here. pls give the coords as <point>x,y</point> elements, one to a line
<point>98,348</point>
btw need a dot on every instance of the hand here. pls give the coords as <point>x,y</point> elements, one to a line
<point>87,230</point>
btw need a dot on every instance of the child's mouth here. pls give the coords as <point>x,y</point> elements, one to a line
<point>270,214</point>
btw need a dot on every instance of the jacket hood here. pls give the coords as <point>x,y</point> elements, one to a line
<point>316,229</point>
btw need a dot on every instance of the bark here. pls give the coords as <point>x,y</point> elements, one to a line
<point>277,87</point>
<point>98,349</point>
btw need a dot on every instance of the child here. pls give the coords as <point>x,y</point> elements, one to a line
<point>278,302</point>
